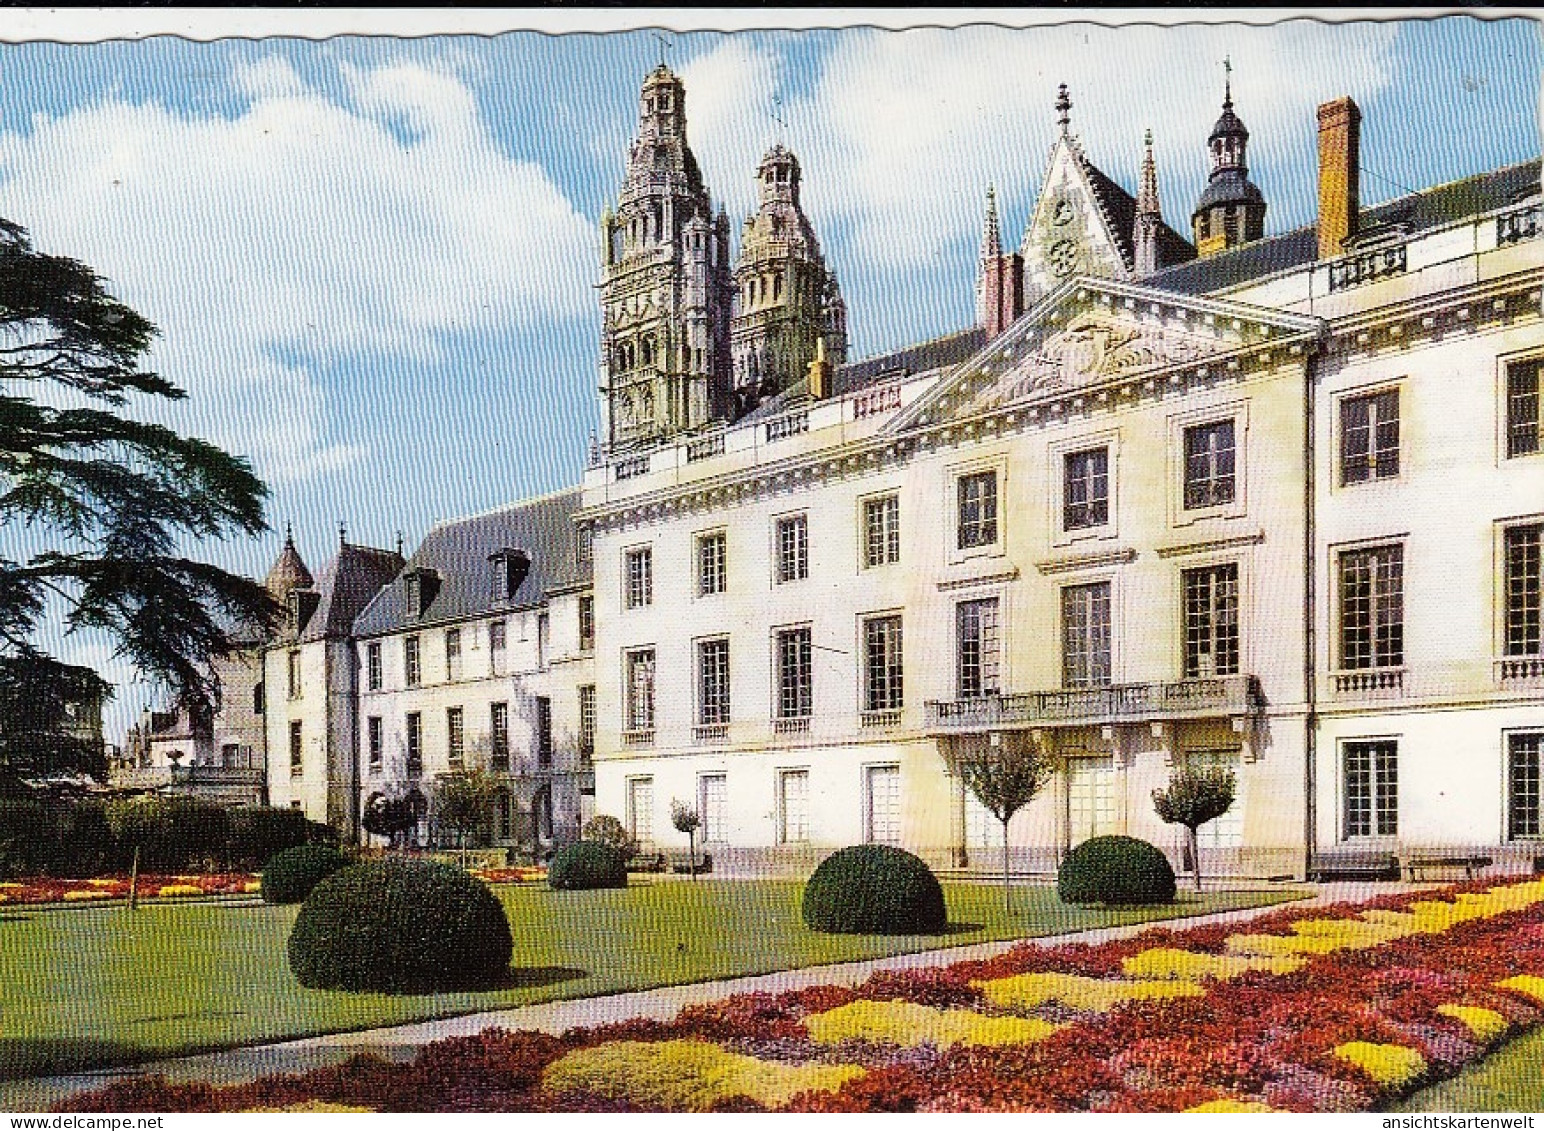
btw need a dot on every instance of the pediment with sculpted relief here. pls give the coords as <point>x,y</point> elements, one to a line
<point>1096,330</point>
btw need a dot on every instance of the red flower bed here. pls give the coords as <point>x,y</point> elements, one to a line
<point>50,890</point>
<point>1258,1038</point>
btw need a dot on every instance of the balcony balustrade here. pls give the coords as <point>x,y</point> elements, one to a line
<point>1231,696</point>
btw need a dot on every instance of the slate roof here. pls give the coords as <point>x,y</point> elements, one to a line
<point>1121,209</point>
<point>1412,214</point>
<point>458,552</point>
<point>345,586</point>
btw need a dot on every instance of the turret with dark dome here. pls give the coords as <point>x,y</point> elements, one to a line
<point>1231,210</point>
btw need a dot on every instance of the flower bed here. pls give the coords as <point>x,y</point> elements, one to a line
<point>1337,1009</point>
<point>47,890</point>
<point>531,874</point>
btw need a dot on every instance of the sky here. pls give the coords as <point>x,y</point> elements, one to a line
<point>372,260</point>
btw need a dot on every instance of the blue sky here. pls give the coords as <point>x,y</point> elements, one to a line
<point>372,260</point>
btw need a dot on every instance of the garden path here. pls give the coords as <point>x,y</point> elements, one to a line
<point>402,1042</point>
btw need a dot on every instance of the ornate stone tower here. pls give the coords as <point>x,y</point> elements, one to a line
<point>665,295</point>
<point>1231,210</point>
<point>1149,219</point>
<point>785,301</point>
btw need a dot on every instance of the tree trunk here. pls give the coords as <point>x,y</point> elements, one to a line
<point>1195,853</point>
<point>1007,887</point>
<point>691,853</point>
<point>134,880</point>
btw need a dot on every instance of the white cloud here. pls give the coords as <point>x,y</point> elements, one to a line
<point>300,239</point>
<point>729,108</point>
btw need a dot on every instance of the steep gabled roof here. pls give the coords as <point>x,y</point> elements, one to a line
<point>1120,207</point>
<point>458,551</point>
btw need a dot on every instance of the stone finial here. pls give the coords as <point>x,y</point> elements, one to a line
<point>1063,108</point>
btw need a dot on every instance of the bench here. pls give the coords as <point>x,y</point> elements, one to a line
<point>1353,866</point>
<point>1419,864</point>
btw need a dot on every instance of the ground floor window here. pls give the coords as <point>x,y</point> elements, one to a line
<point>1523,756</point>
<point>1226,831</point>
<point>982,830</point>
<point>1090,798</point>
<point>640,809</point>
<point>882,821</point>
<point>1371,788</point>
<point>541,814</point>
<point>793,790</point>
<point>713,806</point>
<point>504,815</point>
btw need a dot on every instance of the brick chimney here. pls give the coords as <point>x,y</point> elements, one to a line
<point>1002,293</point>
<point>1340,133</point>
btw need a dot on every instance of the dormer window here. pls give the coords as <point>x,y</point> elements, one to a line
<point>302,604</point>
<point>422,584</point>
<point>510,569</point>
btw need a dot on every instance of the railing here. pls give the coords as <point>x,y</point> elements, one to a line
<point>798,725</point>
<point>887,718</point>
<point>638,737</point>
<point>711,732</point>
<point>1383,680</point>
<point>1084,706</point>
<point>704,447</point>
<point>782,427</point>
<point>876,401</point>
<point>1520,667</point>
<point>1515,227</point>
<point>217,775</point>
<point>632,467</point>
<point>1367,267</point>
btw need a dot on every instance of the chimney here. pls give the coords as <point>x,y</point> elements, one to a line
<point>1003,293</point>
<point>1340,133</point>
<point>820,372</point>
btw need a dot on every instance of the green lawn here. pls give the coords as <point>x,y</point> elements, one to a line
<point>1508,1080</point>
<point>98,986</point>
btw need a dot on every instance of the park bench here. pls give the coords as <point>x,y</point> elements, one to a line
<point>1343,865</point>
<point>1419,864</point>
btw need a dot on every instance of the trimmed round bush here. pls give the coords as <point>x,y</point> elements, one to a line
<point>587,864</point>
<point>873,889</point>
<point>292,873</point>
<point>1115,869</point>
<point>400,926</point>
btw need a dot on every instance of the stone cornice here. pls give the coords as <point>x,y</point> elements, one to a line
<point>1211,545</point>
<point>1071,563</point>
<point>1460,310</point>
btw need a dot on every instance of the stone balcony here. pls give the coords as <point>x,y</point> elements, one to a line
<point>1235,696</point>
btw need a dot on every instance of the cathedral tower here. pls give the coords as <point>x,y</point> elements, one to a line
<point>1149,218</point>
<point>1231,210</point>
<point>785,301</point>
<point>665,296</point>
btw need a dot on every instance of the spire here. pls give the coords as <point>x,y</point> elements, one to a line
<point>1231,210</point>
<point>1063,108</point>
<point>1149,216</point>
<point>991,252</point>
<point>1227,82</point>
<point>288,572</point>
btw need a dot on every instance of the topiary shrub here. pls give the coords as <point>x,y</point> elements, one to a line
<point>259,833</point>
<point>587,864</point>
<point>873,889</point>
<point>1115,869</point>
<point>609,830</point>
<point>292,873</point>
<point>400,926</point>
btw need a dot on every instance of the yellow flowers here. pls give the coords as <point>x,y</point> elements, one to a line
<point>87,893</point>
<point>252,887</point>
<point>1165,962</point>
<point>179,889</point>
<point>687,1075</point>
<point>1025,991</point>
<point>1389,1065</point>
<point>903,1023</point>
<point>1529,985</point>
<point>1230,1105</point>
<point>1484,1024</point>
<point>308,1106</point>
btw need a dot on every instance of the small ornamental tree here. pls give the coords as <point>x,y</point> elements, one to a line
<point>390,817</point>
<point>463,803</point>
<point>1005,779</point>
<point>609,830</point>
<point>1193,798</point>
<point>687,820</point>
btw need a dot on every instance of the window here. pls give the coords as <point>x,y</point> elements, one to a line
<point>297,766</point>
<point>793,557</point>
<point>455,737</point>
<point>259,697</point>
<point>640,689</point>
<point>1209,465</point>
<point>793,800</point>
<point>498,736</point>
<point>1211,621</point>
<point>375,743</point>
<point>1086,635</point>
<point>1523,586</point>
<point>713,682</point>
<point>976,510</point>
<point>976,650</point>
<point>586,623</point>
<point>1523,434</point>
<point>1091,798</point>
<point>712,563</point>
<point>640,577</point>
<point>882,820</point>
<point>1522,803</point>
<point>1226,831</point>
<point>295,687</point>
<point>543,731</point>
<point>882,686</point>
<point>452,654</point>
<point>498,641</point>
<point>587,723</point>
<point>373,667</point>
<point>415,744</point>
<point>713,806</point>
<point>795,674</point>
<point>640,809</point>
<point>1372,614</point>
<point>882,531</point>
<point>584,545</point>
<point>1369,437</point>
<point>543,640</point>
<point>1086,489</point>
<point>411,671</point>
<point>1372,788</point>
